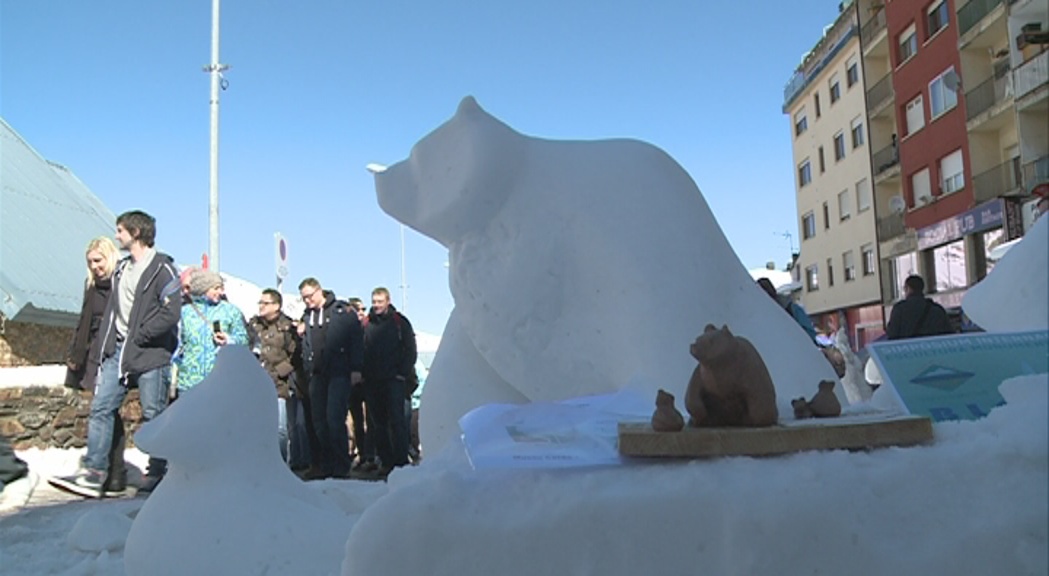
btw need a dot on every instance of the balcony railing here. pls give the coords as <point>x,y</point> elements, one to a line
<point>890,227</point>
<point>1036,173</point>
<point>997,181</point>
<point>1031,74</point>
<point>885,158</point>
<point>983,97</point>
<point>971,14</point>
<point>873,26</point>
<point>879,93</point>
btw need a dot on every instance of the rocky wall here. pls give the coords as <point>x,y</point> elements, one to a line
<point>54,416</point>
<point>23,344</point>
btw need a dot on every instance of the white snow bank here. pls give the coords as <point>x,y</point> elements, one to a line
<point>1014,297</point>
<point>974,502</point>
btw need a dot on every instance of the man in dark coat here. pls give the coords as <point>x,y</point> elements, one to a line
<point>916,316</point>
<point>332,354</point>
<point>389,378</point>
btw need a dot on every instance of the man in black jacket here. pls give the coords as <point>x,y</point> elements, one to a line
<point>332,352</point>
<point>916,316</point>
<point>389,371</point>
<point>139,334</point>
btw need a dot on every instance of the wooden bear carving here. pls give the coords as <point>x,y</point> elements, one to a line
<point>731,385</point>
<point>666,418</point>
<point>823,405</point>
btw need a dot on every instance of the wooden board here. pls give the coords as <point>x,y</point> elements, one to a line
<point>639,440</point>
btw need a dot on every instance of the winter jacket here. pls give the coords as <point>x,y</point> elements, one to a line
<point>389,347</point>
<point>333,344</point>
<point>798,313</point>
<point>278,349</point>
<point>916,316</point>
<point>152,336</point>
<point>81,366</point>
<point>197,350</point>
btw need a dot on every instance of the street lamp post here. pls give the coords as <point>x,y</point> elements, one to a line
<point>379,169</point>
<point>215,69</point>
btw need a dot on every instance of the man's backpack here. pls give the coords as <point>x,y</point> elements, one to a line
<point>411,380</point>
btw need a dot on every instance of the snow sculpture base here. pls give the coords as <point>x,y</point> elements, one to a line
<point>577,268</point>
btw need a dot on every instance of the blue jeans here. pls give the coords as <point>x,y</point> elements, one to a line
<point>105,410</point>
<point>329,404</point>
<point>282,427</point>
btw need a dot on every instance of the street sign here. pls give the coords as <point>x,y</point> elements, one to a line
<point>281,254</point>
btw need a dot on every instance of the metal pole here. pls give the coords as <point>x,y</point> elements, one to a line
<point>404,280</point>
<point>215,69</point>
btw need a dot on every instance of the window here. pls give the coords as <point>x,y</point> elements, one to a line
<point>857,132</point>
<point>992,240</point>
<point>816,100</point>
<point>801,123</point>
<point>952,173</point>
<point>937,19</point>
<point>835,89</point>
<point>852,73</point>
<point>804,173</point>
<point>848,262</point>
<point>812,278</point>
<point>908,45</point>
<point>830,272</point>
<point>949,265</point>
<point>902,267</point>
<point>915,115</point>
<point>941,97</point>
<point>808,226</point>
<point>823,168</point>
<point>839,146</point>
<point>863,195</point>
<point>844,205</point>
<point>826,216</point>
<point>867,253</point>
<point>921,189</point>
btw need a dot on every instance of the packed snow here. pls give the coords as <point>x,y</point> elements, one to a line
<point>974,501</point>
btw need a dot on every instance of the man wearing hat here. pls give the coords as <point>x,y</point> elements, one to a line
<point>208,322</point>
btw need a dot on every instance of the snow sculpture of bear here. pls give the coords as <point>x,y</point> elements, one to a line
<point>577,267</point>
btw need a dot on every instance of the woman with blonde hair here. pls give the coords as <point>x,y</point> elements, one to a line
<point>101,256</point>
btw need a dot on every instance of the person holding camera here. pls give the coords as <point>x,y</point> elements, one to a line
<point>208,322</point>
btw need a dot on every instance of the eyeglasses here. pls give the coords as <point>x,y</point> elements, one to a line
<point>265,302</point>
<point>310,295</point>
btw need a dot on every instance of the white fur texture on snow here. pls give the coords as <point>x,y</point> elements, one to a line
<point>229,505</point>
<point>577,268</point>
<point>924,510</point>
<point>1022,275</point>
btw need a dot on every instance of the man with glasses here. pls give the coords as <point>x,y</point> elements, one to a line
<point>279,351</point>
<point>332,352</point>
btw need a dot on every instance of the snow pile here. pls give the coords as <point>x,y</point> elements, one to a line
<point>1015,296</point>
<point>229,504</point>
<point>925,510</point>
<point>554,245</point>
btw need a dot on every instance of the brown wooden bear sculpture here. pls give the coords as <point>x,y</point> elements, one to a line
<point>666,418</point>
<point>731,386</point>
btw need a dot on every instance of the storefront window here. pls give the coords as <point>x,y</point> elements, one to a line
<point>992,240</point>
<point>949,263</point>
<point>902,267</point>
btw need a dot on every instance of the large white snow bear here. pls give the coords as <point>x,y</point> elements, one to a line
<point>577,267</point>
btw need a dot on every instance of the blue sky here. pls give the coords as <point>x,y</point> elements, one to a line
<point>114,89</point>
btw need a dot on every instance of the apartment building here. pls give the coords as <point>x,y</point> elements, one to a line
<point>957,152</point>
<point>838,263</point>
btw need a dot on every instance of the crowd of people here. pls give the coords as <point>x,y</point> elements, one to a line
<point>145,325</point>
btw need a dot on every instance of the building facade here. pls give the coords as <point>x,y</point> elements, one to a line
<point>954,168</point>
<point>838,261</point>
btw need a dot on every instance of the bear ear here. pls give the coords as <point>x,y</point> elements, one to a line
<point>468,106</point>
<point>710,328</point>
<point>724,328</point>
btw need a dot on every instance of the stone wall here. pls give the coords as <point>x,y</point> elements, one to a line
<point>54,416</point>
<point>23,344</point>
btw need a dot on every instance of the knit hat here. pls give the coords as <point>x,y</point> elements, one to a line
<point>203,280</point>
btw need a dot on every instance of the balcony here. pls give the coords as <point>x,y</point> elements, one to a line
<point>971,14</point>
<point>873,26</point>
<point>998,181</point>
<point>879,94</point>
<point>885,159</point>
<point>1031,74</point>
<point>890,227</point>
<point>986,95</point>
<point>1035,173</point>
